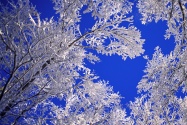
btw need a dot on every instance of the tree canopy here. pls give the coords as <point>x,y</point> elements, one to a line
<point>44,59</point>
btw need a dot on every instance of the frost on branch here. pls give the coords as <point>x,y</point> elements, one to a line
<point>172,11</point>
<point>108,15</point>
<point>86,103</point>
<point>44,59</point>
<point>164,87</point>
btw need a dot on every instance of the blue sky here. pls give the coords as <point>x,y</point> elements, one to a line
<point>122,75</point>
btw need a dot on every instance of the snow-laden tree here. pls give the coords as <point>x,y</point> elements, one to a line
<point>164,85</point>
<point>172,11</point>
<point>42,60</point>
<point>165,88</point>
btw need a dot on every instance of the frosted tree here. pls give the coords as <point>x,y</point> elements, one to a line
<point>165,88</point>
<point>172,11</point>
<point>41,60</point>
<point>165,84</point>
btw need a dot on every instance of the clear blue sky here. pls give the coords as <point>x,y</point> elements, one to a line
<point>122,75</point>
